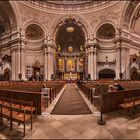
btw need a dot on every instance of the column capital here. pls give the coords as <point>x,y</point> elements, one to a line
<point>49,45</point>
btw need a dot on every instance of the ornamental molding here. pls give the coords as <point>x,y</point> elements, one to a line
<point>28,14</point>
<point>107,15</point>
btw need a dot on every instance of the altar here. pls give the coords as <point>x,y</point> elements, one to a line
<point>70,75</point>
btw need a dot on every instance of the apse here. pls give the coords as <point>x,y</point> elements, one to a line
<point>70,37</point>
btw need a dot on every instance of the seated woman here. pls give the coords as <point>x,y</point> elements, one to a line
<point>111,88</point>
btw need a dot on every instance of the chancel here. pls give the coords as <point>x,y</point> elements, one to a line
<point>70,69</point>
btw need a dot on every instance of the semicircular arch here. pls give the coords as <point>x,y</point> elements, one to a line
<point>28,23</point>
<point>80,22</point>
<point>103,23</point>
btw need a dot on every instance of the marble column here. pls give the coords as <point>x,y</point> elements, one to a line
<point>86,64</point>
<point>49,66</point>
<point>48,62</point>
<point>23,59</point>
<point>45,64</point>
<point>91,63</point>
<point>117,62</point>
<point>52,63</point>
<point>23,65</point>
<point>94,64</point>
<point>17,66</point>
<point>13,64</point>
<point>127,64</point>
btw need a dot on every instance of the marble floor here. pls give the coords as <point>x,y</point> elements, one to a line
<point>47,126</point>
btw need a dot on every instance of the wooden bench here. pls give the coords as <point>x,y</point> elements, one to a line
<point>14,114</point>
<point>26,105</point>
<point>130,103</point>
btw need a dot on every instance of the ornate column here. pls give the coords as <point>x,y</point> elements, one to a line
<point>118,42</point>
<point>45,64</point>
<point>49,49</point>
<point>89,61</point>
<point>127,64</point>
<point>50,64</point>
<point>118,62</point>
<point>18,65</point>
<point>92,60</point>
<point>13,64</point>
<point>18,55</point>
<point>23,65</point>
<point>122,56</point>
<point>86,63</point>
<point>94,64</point>
<point>22,55</point>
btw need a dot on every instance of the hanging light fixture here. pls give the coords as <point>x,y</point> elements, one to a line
<point>70,29</point>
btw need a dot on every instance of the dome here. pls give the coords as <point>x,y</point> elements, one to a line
<point>69,5</point>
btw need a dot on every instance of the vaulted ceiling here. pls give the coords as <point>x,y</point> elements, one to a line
<point>7,17</point>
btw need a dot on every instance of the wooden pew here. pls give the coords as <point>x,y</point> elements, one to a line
<point>15,113</point>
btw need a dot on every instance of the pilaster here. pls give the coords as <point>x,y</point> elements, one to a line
<point>13,53</point>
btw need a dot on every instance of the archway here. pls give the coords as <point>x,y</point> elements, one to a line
<point>6,76</point>
<point>134,74</point>
<point>106,31</point>
<point>70,41</point>
<point>107,74</point>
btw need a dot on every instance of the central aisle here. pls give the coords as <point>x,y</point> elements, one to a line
<point>71,103</point>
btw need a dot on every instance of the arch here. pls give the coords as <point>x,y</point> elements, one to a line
<point>70,37</point>
<point>80,21</point>
<point>10,14</point>
<point>15,12</point>
<point>6,75</point>
<point>30,22</point>
<point>106,31</point>
<point>101,24</point>
<point>106,73</point>
<point>134,75</point>
<point>34,32</point>
<point>134,19</point>
<point>128,14</point>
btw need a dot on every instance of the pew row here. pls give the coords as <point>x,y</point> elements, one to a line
<point>110,100</point>
<point>36,98</point>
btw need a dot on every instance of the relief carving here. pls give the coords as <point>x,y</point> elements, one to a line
<point>28,14</point>
<point>104,16</point>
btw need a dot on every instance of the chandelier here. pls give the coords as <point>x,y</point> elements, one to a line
<point>70,29</point>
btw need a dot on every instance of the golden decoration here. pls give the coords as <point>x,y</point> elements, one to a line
<point>70,48</point>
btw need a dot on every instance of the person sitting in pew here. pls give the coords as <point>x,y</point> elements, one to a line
<point>111,88</point>
<point>118,87</point>
<point>44,85</point>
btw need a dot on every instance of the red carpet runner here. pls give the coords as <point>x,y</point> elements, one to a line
<point>71,103</point>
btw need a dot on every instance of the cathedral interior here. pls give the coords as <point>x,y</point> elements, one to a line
<point>70,69</point>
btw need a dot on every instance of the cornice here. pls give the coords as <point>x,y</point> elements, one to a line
<point>77,9</point>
